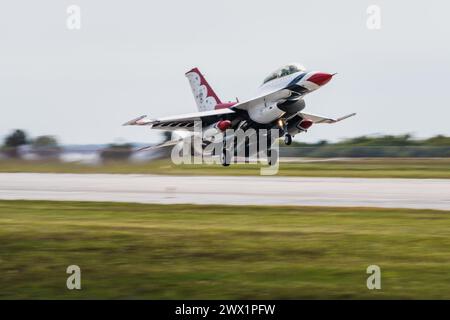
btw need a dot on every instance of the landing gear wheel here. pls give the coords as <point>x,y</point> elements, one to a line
<point>224,158</point>
<point>272,157</point>
<point>287,139</point>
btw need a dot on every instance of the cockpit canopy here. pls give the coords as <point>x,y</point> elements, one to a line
<point>284,71</point>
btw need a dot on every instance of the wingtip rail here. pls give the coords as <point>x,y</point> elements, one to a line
<point>345,117</point>
<point>139,121</point>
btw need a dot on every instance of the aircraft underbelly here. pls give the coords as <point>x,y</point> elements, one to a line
<point>265,113</point>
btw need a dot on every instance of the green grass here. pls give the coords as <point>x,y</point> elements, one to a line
<point>209,252</point>
<point>369,168</point>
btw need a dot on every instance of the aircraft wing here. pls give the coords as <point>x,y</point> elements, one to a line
<point>180,122</point>
<point>319,119</point>
<point>246,105</point>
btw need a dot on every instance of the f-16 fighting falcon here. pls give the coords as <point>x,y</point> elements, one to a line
<point>278,104</point>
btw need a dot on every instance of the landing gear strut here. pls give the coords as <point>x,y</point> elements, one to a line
<point>224,158</point>
<point>287,136</point>
<point>272,157</point>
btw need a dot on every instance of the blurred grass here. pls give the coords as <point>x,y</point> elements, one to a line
<point>368,167</point>
<point>142,251</point>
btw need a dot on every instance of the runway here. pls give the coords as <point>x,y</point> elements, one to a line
<point>393,193</point>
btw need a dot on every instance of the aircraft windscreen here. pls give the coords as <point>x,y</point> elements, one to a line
<point>284,71</point>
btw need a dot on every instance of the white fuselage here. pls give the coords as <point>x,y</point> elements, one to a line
<point>270,95</point>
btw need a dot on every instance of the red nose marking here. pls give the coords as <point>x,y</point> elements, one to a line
<point>224,125</point>
<point>305,124</point>
<point>320,78</point>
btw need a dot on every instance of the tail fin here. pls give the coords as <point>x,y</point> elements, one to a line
<point>204,95</point>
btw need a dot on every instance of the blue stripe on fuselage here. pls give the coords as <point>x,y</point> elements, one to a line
<point>296,79</point>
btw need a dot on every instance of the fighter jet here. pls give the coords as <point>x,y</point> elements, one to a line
<point>278,104</point>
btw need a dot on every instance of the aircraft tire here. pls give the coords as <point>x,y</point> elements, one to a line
<point>224,159</point>
<point>287,139</point>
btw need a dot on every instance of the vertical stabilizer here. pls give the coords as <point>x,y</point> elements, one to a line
<point>204,95</point>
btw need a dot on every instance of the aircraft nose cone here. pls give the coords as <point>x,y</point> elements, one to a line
<point>320,78</point>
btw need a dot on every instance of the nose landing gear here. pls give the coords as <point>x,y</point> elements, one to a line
<point>287,139</point>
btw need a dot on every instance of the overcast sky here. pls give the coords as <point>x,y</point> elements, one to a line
<point>129,59</point>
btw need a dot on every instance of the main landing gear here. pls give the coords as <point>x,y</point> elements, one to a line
<point>225,158</point>
<point>272,156</point>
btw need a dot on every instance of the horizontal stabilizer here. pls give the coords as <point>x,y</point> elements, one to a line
<point>319,119</point>
<point>161,145</point>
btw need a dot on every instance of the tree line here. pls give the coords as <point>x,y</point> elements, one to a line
<point>406,145</point>
<point>373,146</point>
<point>48,147</point>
